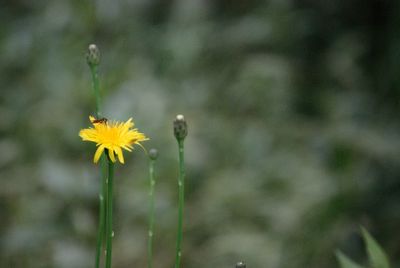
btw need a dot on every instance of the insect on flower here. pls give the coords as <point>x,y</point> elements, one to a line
<point>100,120</point>
<point>112,137</point>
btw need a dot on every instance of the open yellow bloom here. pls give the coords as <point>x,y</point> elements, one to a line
<point>113,136</point>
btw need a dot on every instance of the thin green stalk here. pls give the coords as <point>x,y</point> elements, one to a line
<point>103,169</point>
<point>181,190</point>
<point>109,236</point>
<point>102,210</point>
<point>96,88</point>
<point>151,215</point>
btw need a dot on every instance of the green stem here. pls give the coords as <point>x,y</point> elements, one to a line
<point>96,88</point>
<point>151,215</point>
<point>103,169</point>
<point>102,210</point>
<point>110,234</point>
<point>181,189</point>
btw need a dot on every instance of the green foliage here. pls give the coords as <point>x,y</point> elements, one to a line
<point>376,256</point>
<point>345,262</point>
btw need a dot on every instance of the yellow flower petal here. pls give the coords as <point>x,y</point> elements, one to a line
<point>128,148</point>
<point>98,153</point>
<point>111,155</point>
<point>88,134</point>
<point>120,155</point>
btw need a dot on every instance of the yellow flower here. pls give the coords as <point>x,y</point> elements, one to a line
<point>113,136</point>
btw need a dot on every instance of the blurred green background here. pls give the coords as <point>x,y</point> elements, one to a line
<point>293,112</point>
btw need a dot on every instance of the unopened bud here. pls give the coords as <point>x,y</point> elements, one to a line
<point>93,55</point>
<point>240,265</point>
<point>180,127</point>
<point>153,154</point>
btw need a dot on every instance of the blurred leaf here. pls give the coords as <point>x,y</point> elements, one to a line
<point>345,262</point>
<point>376,255</point>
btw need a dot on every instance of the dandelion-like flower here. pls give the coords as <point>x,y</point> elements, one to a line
<point>113,136</point>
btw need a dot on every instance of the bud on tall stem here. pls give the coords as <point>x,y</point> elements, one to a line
<point>153,154</point>
<point>93,55</point>
<point>180,127</point>
<point>180,132</point>
<point>93,60</point>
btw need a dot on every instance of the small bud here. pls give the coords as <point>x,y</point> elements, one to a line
<point>180,127</point>
<point>93,55</point>
<point>153,154</point>
<point>240,265</point>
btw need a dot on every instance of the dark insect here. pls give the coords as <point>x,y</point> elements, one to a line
<point>100,121</point>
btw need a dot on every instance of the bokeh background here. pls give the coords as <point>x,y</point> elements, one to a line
<point>294,137</point>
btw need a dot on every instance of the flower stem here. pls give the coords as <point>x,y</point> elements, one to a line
<point>151,214</point>
<point>103,169</point>
<point>96,88</point>
<point>110,234</point>
<point>181,190</point>
<point>102,210</point>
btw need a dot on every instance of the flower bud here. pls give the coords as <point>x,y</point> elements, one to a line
<point>153,154</point>
<point>240,265</point>
<point>180,127</point>
<point>93,55</point>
